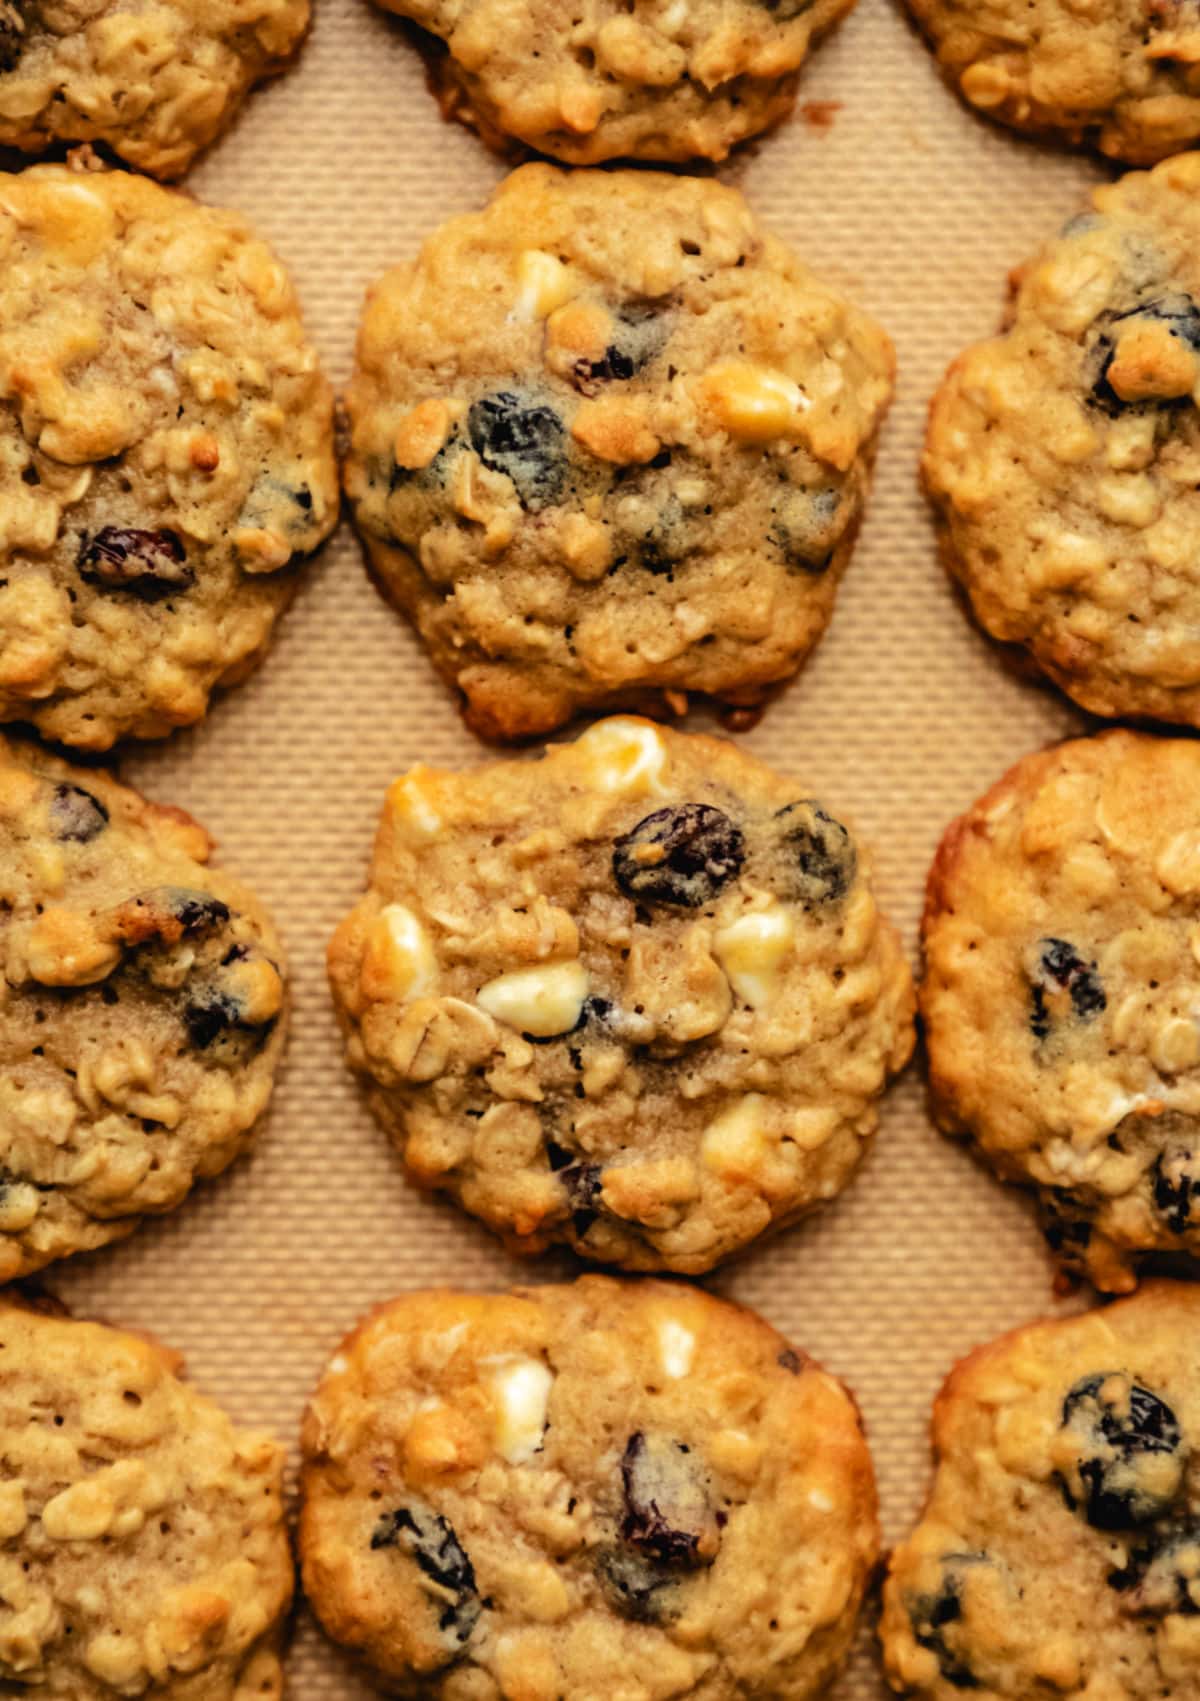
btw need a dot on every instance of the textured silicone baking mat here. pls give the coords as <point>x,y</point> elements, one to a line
<point>904,715</point>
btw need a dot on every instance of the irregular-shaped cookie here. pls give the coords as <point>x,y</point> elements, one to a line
<point>144,1549</point>
<point>1062,993</point>
<point>1059,1550</point>
<point>636,996</point>
<point>154,80</point>
<point>142,1013</point>
<point>1122,76</point>
<point>546,1492</point>
<point>166,453</point>
<point>1063,457</point>
<point>610,442</point>
<point>620,79</point>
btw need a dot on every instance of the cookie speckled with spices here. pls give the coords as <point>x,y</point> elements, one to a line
<point>1059,1550</point>
<point>144,1549</point>
<point>610,443</point>
<point>141,1020</point>
<point>596,1489</point>
<point>620,79</point>
<point>154,80</point>
<point>636,996</point>
<point>1063,457</point>
<point>1062,993</point>
<point>1122,76</point>
<point>166,453</point>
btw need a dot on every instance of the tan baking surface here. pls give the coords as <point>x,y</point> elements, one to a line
<point>919,209</point>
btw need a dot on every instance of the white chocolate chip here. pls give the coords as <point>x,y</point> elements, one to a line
<point>735,1143</point>
<point>676,1347</point>
<point>624,755</point>
<point>752,949</point>
<point>521,1389</point>
<point>399,956</point>
<point>411,807</point>
<point>755,404</point>
<point>820,1500</point>
<point>544,284</point>
<point>542,1001</point>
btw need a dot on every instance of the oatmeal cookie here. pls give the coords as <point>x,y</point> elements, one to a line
<point>635,996</point>
<point>144,1550</point>
<point>166,453</point>
<point>590,1490</point>
<point>1064,456</point>
<point>154,80</point>
<point>1122,76</point>
<point>610,445</point>
<point>141,1021</point>
<point>1059,1550</point>
<point>1062,993</point>
<point>620,79</point>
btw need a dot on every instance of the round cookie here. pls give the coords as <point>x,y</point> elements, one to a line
<point>1122,76</point>
<point>1063,457</point>
<point>1059,1551</point>
<point>154,80</point>
<point>143,1544</point>
<point>142,1016</point>
<point>590,1490</point>
<point>166,453</point>
<point>610,442</point>
<point>620,79</point>
<point>1061,997</point>
<point>636,996</point>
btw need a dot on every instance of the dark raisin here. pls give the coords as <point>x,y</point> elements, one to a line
<point>592,1011</point>
<point>583,1183</point>
<point>211,1015</point>
<point>639,336</point>
<point>1164,1578</point>
<point>808,524</point>
<point>682,855</point>
<point>1066,1232</point>
<point>76,815</point>
<point>303,498</point>
<point>149,565</point>
<point>790,1361</point>
<point>637,1588</point>
<point>1059,969</point>
<point>523,439</point>
<point>667,1516</point>
<point>1118,1426</point>
<point>934,1617</point>
<point>167,915</point>
<point>440,1556</point>
<point>783,11</point>
<point>1175,1181</point>
<point>197,912</point>
<point>820,858</point>
<point>12,32</point>
<point>1181,317</point>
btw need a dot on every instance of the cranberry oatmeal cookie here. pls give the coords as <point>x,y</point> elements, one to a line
<point>610,442</point>
<point>144,1549</point>
<point>1063,457</point>
<point>620,79</point>
<point>142,1014</point>
<point>635,996</point>
<point>1062,993</point>
<point>1059,1550</point>
<point>166,453</point>
<point>1122,76</point>
<point>590,1490</point>
<point>154,80</point>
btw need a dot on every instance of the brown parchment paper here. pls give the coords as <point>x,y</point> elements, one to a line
<point>905,714</point>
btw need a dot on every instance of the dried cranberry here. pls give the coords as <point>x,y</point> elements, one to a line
<point>75,814</point>
<point>150,565</point>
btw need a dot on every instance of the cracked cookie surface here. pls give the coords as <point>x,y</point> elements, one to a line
<point>1061,997</point>
<point>155,80</point>
<point>141,1021</point>
<point>610,443</point>
<point>1063,457</point>
<point>1122,76</point>
<point>585,1490</point>
<point>635,996</point>
<point>1059,1550</point>
<point>621,79</point>
<point>166,453</point>
<point>142,1542</point>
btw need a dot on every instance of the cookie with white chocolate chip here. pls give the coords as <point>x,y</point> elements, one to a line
<point>540,1493</point>
<point>1061,996</point>
<point>166,454</point>
<point>141,1009</point>
<point>154,82</point>
<point>610,443</point>
<point>620,79</point>
<point>144,1543</point>
<point>636,996</point>
<point>1059,1551</point>
<point>1122,76</point>
<point>1063,457</point>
